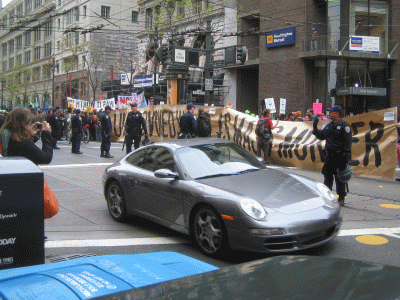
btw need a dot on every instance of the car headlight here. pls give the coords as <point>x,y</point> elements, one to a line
<point>253,208</point>
<point>325,191</point>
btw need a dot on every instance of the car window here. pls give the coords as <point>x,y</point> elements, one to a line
<point>159,158</point>
<point>138,158</point>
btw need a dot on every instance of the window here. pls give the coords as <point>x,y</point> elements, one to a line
<point>36,55</point>
<point>18,78</point>
<point>69,17</point>
<point>84,11</point>
<point>11,46</point>
<point>27,38</point>
<point>48,28</point>
<point>59,2</point>
<point>4,66</point>
<point>83,90</point>
<point>76,11</point>
<point>135,16</point>
<point>4,21</point>
<point>137,158</point>
<point>27,57</point>
<point>47,71</point>
<point>105,12</point>
<point>20,11</point>
<point>11,63</point>
<point>181,10</point>
<point>28,6</point>
<point>27,75</point>
<point>76,38</point>
<point>36,74</point>
<point>84,37</point>
<point>71,63</point>
<point>58,46</point>
<point>58,23</point>
<point>196,4</point>
<point>158,158</point>
<point>47,49</point>
<point>38,3</point>
<point>12,16</point>
<point>19,42</point>
<point>19,59</point>
<point>36,34</point>
<point>149,18</point>
<point>4,50</point>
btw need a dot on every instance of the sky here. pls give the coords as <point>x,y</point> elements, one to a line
<point>5,2</point>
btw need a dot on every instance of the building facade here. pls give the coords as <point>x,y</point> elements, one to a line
<point>350,59</point>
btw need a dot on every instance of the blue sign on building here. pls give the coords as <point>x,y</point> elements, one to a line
<point>143,81</point>
<point>281,37</point>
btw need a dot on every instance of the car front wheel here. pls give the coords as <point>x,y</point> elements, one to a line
<point>116,201</point>
<point>208,231</point>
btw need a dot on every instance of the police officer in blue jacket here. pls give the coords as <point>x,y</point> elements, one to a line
<point>76,126</point>
<point>106,126</point>
<point>134,125</point>
<point>188,123</point>
<point>338,138</point>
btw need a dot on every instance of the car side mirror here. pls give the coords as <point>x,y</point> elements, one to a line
<point>260,159</point>
<point>166,173</point>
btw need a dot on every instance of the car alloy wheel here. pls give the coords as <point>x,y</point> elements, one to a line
<point>116,201</point>
<point>208,231</point>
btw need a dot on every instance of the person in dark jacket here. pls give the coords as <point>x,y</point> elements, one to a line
<point>55,126</point>
<point>77,132</point>
<point>188,123</point>
<point>134,125</point>
<point>337,135</point>
<point>203,124</point>
<point>106,127</point>
<point>23,135</point>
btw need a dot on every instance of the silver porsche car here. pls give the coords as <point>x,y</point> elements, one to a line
<point>221,195</point>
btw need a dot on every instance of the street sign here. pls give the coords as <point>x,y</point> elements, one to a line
<point>180,55</point>
<point>208,84</point>
<point>198,92</point>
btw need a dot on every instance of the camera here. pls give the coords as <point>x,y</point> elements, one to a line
<point>39,126</point>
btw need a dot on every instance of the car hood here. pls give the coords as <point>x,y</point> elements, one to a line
<point>271,188</point>
<point>283,277</point>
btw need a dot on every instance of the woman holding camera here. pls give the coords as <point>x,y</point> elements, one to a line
<point>19,134</point>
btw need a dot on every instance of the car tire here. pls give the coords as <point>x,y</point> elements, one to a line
<point>208,231</point>
<point>116,201</point>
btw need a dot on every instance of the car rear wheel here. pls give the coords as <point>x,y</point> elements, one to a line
<point>116,201</point>
<point>208,231</point>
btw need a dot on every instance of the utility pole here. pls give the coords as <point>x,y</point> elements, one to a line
<point>155,65</point>
<point>54,68</point>
<point>207,64</point>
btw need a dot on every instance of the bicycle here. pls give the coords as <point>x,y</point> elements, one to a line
<point>85,136</point>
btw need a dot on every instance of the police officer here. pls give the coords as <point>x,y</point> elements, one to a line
<point>106,127</point>
<point>188,123</point>
<point>55,126</point>
<point>337,149</point>
<point>134,125</point>
<point>76,126</point>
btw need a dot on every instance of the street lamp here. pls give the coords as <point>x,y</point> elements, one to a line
<point>131,79</point>
<point>54,68</point>
<point>2,93</point>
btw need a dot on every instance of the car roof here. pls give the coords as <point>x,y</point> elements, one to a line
<point>179,143</point>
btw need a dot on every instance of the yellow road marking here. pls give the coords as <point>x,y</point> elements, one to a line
<point>392,206</point>
<point>371,240</point>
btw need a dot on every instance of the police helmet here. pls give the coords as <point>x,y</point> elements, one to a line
<point>345,174</point>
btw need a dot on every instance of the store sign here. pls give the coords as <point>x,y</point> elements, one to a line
<point>281,37</point>
<point>143,81</point>
<point>365,91</point>
<point>368,44</point>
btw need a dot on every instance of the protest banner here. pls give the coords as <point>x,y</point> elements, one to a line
<point>374,136</point>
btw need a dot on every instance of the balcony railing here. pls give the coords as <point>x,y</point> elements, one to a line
<point>331,46</point>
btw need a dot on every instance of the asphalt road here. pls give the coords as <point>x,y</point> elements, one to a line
<point>370,232</point>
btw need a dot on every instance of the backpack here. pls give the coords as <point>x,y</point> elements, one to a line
<point>204,126</point>
<point>5,138</point>
<point>261,127</point>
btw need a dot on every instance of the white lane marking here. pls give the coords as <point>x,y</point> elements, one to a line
<point>113,242</point>
<point>74,165</point>
<point>174,240</point>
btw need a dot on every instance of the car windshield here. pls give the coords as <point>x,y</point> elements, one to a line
<point>214,160</point>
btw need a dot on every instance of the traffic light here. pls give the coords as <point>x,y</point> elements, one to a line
<point>241,53</point>
<point>162,53</point>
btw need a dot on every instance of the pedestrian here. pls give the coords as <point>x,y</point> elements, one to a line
<point>264,134</point>
<point>204,124</point>
<point>290,117</point>
<point>55,126</point>
<point>297,117</point>
<point>337,149</point>
<point>19,134</point>
<point>106,128</point>
<point>188,123</point>
<point>310,116</point>
<point>314,39</point>
<point>134,125</point>
<point>77,132</point>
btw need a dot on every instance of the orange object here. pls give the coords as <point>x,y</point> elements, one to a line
<point>51,205</point>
